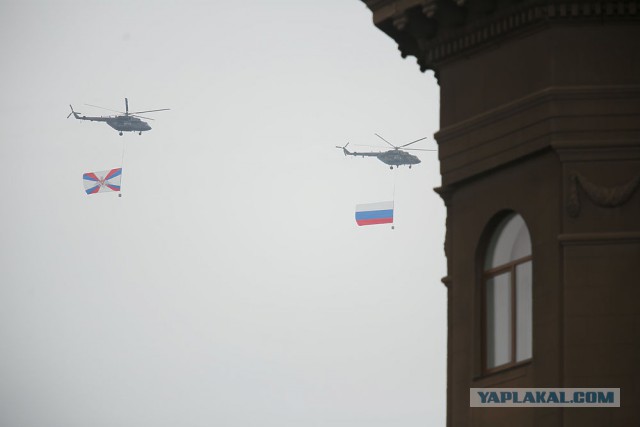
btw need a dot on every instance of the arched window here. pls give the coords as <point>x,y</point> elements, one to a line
<point>507,296</point>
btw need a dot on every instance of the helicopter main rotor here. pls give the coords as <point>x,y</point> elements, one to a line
<point>130,114</point>
<point>405,145</point>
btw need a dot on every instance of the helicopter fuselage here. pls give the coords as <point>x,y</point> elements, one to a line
<point>119,123</point>
<point>395,157</point>
<point>398,158</point>
<point>128,124</point>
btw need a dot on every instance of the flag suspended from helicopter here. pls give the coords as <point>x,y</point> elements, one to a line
<point>102,181</point>
<point>374,213</point>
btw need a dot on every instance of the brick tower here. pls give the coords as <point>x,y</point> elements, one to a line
<point>539,147</point>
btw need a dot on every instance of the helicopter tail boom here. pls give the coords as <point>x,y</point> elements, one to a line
<point>355,153</point>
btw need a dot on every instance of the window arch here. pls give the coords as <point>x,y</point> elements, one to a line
<point>507,296</point>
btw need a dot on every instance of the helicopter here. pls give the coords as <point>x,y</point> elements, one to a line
<point>395,157</point>
<point>125,122</point>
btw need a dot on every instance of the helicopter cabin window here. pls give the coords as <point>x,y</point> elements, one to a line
<point>507,296</point>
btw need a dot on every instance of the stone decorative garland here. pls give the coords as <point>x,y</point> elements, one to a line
<point>600,195</point>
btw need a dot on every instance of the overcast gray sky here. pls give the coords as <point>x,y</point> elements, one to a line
<point>229,285</point>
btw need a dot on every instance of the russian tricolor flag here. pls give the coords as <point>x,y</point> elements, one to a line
<point>374,213</point>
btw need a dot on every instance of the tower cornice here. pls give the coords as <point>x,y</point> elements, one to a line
<point>436,31</point>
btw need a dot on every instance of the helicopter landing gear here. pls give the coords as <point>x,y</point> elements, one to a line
<point>120,133</point>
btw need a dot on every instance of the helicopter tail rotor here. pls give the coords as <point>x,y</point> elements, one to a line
<point>344,148</point>
<point>75,114</point>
